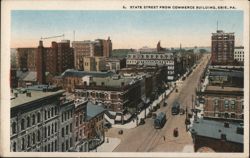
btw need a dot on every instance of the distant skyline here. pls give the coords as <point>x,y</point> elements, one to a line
<point>127,29</point>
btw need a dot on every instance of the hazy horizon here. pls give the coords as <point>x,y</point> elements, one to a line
<point>126,29</point>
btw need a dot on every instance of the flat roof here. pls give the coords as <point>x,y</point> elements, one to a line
<point>214,129</point>
<point>224,89</point>
<point>94,110</point>
<point>112,82</point>
<point>35,95</point>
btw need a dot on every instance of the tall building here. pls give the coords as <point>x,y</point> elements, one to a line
<point>55,59</point>
<point>222,48</point>
<point>26,59</point>
<point>99,47</point>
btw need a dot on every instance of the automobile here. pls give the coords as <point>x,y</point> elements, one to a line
<point>158,106</point>
<point>176,132</point>
<point>183,78</point>
<point>149,115</point>
<point>120,132</point>
<point>142,121</point>
<point>165,103</point>
<point>187,121</point>
<point>107,125</point>
<point>175,108</point>
<point>182,111</point>
<point>154,115</point>
<point>154,109</point>
<point>202,100</point>
<point>176,90</point>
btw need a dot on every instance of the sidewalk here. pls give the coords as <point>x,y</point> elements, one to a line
<point>132,124</point>
<point>108,146</point>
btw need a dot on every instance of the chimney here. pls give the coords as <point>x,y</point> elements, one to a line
<point>41,43</point>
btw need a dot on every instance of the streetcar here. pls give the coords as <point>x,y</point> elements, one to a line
<point>175,108</point>
<point>160,120</point>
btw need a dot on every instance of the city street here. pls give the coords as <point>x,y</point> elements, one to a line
<point>145,138</point>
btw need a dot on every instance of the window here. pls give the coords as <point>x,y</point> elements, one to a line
<point>38,135</point>
<point>62,118</point>
<point>52,112</point>
<point>23,146</point>
<point>81,119</point>
<point>13,126</point>
<point>28,121</point>
<point>28,141</point>
<point>56,145</point>
<point>52,129</point>
<point>55,127</point>
<point>14,146</point>
<point>70,127</point>
<point>76,136</point>
<point>71,142</point>
<point>33,119</point>
<point>62,146</point>
<point>38,117</point>
<point>52,146</point>
<point>33,138</point>
<point>45,132</point>
<point>49,148</point>
<point>49,113</point>
<point>22,124</point>
<point>62,132</point>
<point>67,145</point>
<point>76,121</point>
<point>45,115</point>
<point>233,104</point>
<point>67,129</point>
<point>49,130</point>
<point>45,148</point>
<point>81,133</point>
<point>226,104</point>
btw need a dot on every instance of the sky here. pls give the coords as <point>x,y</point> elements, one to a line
<point>126,29</point>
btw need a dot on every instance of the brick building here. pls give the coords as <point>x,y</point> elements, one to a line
<point>70,78</point>
<point>222,48</point>
<point>55,59</point>
<point>217,136</point>
<point>117,94</point>
<point>26,59</point>
<point>224,103</point>
<point>94,63</point>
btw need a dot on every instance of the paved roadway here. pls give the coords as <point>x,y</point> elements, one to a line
<point>145,138</point>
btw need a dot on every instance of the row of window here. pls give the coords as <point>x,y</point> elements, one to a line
<point>67,144</point>
<point>67,130</point>
<point>151,56</point>
<point>150,61</point>
<point>50,113</point>
<point>227,104</point>
<point>67,115</point>
<point>50,129</point>
<point>29,140</point>
<point>51,147</point>
<point>28,122</point>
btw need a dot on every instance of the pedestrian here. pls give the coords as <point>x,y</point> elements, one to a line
<point>164,138</point>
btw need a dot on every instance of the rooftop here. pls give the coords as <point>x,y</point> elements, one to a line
<point>93,110</point>
<point>221,72</point>
<point>76,73</point>
<point>224,89</point>
<point>115,81</point>
<point>22,98</point>
<point>214,129</point>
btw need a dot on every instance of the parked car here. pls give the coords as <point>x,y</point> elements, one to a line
<point>120,132</point>
<point>154,115</point>
<point>107,125</point>
<point>142,121</point>
<point>182,111</point>
<point>149,115</point>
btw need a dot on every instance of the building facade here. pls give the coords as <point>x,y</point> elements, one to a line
<point>224,103</point>
<point>26,59</point>
<point>222,48</point>
<point>239,54</point>
<point>99,47</point>
<point>115,64</point>
<point>44,119</point>
<point>117,94</point>
<point>140,59</point>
